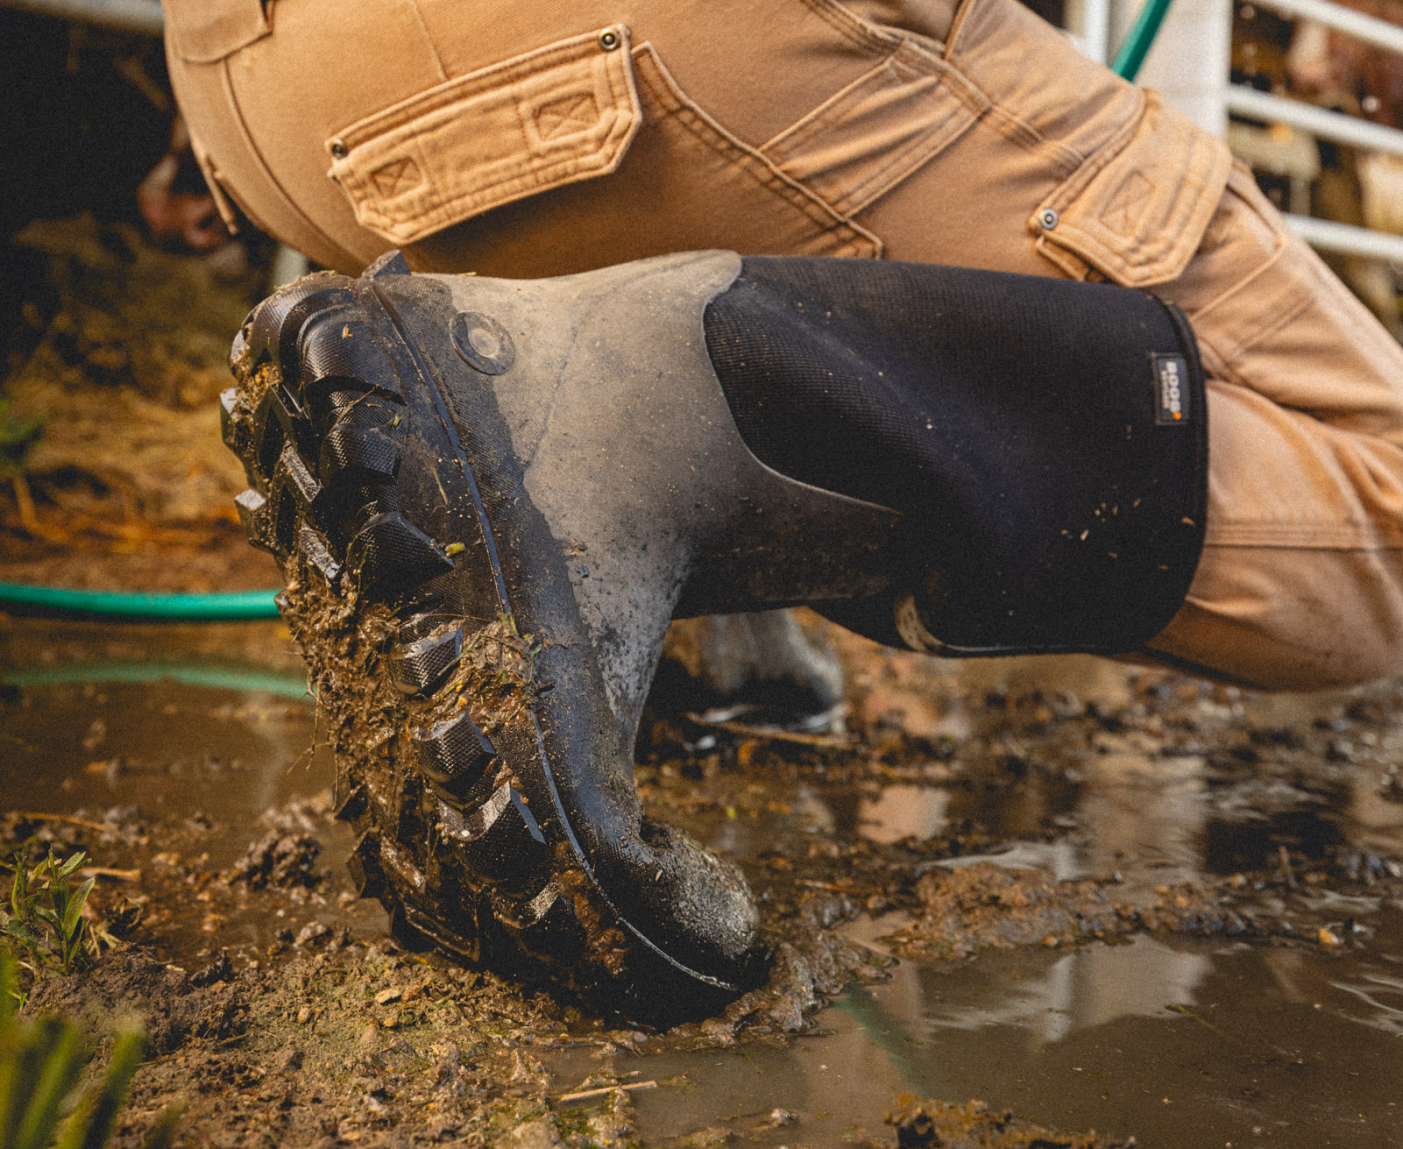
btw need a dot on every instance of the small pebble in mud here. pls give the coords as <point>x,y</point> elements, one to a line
<point>313,934</point>
<point>386,996</point>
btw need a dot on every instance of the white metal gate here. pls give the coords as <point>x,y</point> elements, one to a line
<point>1190,65</point>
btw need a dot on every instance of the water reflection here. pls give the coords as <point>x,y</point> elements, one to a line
<point>898,812</point>
<point>1089,987</point>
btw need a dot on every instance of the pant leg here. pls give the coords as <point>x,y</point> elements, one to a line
<point>1303,560</point>
<point>903,128</point>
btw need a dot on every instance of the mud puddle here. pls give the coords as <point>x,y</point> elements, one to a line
<point>1124,901</point>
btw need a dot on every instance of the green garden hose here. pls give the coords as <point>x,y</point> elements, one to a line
<point>225,606</point>
<point>1142,35</point>
<point>246,680</point>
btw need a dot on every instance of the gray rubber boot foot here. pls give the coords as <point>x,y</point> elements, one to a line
<point>763,668</point>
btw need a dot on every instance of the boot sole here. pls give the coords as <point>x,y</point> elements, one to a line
<point>338,422</point>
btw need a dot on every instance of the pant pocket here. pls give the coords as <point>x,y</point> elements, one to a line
<point>1137,209</point>
<point>551,117</point>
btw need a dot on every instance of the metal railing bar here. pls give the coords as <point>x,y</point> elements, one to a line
<point>1327,235</point>
<point>141,16</point>
<point>1317,121</point>
<point>1369,29</point>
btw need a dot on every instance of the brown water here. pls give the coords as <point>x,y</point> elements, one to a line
<point>180,740</point>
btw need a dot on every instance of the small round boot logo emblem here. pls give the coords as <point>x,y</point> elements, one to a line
<point>482,342</point>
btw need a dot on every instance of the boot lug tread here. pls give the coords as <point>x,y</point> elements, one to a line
<point>276,324</point>
<point>504,844</point>
<point>454,753</point>
<point>256,518</point>
<point>391,555</point>
<point>544,926</point>
<point>367,873</point>
<point>335,348</point>
<point>420,666</point>
<point>316,551</point>
<point>362,447</point>
<point>227,399</point>
<point>349,797</point>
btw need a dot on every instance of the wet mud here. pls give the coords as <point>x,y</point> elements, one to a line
<point>1102,898</point>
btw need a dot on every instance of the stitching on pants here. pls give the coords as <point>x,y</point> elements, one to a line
<point>428,39</point>
<point>1009,124</point>
<point>936,106</point>
<point>851,26</point>
<point>657,80</point>
<point>288,202</point>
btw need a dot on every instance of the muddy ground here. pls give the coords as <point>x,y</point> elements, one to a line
<point>1186,869</point>
<point>1010,903</point>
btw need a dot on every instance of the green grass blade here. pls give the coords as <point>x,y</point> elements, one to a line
<point>9,988</point>
<point>25,1061</point>
<point>69,866</point>
<point>91,1125</point>
<point>20,901</point>
<point>58,1075</point>
<point>72,915</point>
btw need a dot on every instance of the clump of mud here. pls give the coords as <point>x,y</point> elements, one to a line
<point>280,859</point>
<point>973,1125</point>
<point>812,964</point>
<point>986,906</point>
<point>286,856</point>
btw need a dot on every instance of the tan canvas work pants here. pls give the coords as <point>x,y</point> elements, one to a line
<point>538,138</point>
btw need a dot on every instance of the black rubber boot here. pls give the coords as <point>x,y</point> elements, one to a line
<point>490,498</point>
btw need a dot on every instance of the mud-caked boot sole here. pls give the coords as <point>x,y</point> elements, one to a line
<point>460,693</point>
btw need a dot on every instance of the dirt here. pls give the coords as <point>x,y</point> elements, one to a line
<point>286,856</point>
<point>973,1125</point>
<point>354,1044</point>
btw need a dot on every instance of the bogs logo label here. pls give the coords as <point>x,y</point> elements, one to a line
<point>1171,389</point>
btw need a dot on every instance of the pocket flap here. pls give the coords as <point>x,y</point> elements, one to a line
<point>1138,215</point>
<point>203,31</point>
<point>553,116</point>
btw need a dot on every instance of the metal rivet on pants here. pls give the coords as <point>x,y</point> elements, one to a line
<point>609,40</point>
<point>338,148</point>
<point>1047,218</point>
